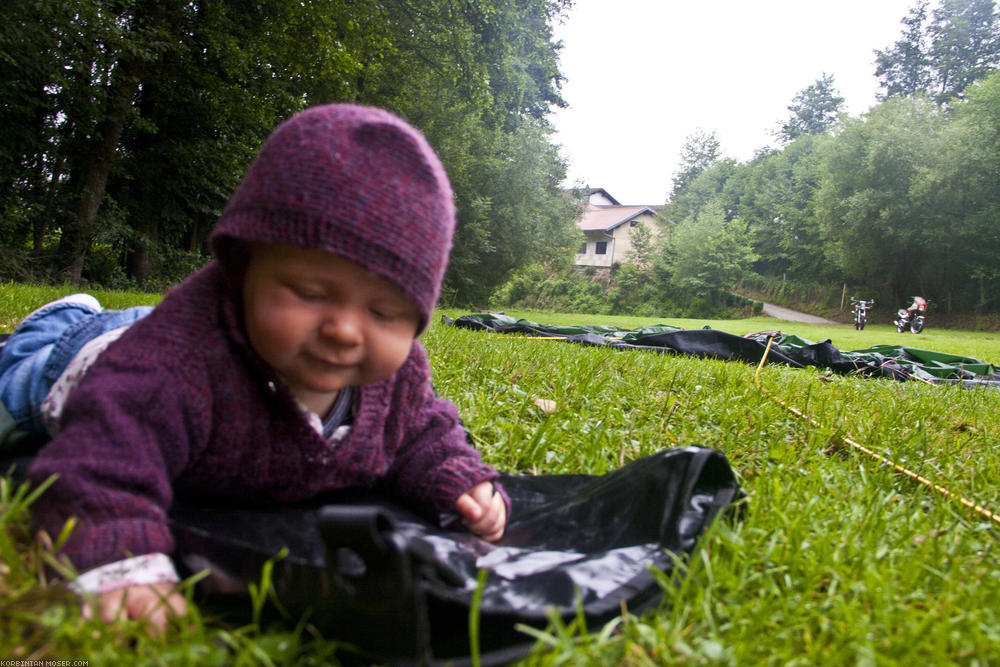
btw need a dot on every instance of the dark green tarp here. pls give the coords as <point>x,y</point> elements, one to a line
<point>894,361</point>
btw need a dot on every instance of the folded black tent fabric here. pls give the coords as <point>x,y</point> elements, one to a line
<point>371,573</point>
<point>889,361</point>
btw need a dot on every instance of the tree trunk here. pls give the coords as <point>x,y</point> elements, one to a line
<point>137,263</point>
<point>97,165</point>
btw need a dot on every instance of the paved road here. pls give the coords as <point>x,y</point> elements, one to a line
<point>777,312</point>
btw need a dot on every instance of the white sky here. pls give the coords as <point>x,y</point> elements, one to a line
<point>642,75</point>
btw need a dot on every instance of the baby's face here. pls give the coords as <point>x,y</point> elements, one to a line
<point>323,322</point>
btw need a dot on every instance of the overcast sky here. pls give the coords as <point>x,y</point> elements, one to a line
<point>642,75</point>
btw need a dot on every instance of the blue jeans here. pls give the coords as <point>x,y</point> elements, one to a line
<point>41,347</point>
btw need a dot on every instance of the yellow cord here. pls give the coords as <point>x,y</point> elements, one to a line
<point>756,376</point>
<point>979,509</point>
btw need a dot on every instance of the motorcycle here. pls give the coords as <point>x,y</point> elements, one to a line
<point>860,312</point>
<point>912,319</point>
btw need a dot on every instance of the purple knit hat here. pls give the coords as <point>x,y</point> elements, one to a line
<point>354,181</point>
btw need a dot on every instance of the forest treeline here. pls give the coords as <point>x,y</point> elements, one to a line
<point>126,124</point>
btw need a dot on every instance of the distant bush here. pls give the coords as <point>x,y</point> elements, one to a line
<point>628,290</point>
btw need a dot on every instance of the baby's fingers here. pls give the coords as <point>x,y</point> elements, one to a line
<point>468,508</point>
<point>494,518</point>
<point>153,603</point>
<point>157,613</point>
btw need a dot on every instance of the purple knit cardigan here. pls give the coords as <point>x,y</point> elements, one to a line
<point>181,405</point>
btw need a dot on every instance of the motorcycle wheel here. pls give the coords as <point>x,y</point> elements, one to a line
<point>917,325</point>
<point>862,321</point>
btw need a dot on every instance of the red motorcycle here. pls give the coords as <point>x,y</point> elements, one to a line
<point>912,318</point>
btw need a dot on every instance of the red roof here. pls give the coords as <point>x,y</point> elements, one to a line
<point>605,218</point>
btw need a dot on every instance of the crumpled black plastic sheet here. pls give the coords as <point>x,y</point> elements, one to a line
<point>400,587</point>
<point>897,362</point>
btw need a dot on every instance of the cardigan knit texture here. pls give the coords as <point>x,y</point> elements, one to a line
<point>181,405</point>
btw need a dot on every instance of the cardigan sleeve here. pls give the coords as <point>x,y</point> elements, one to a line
<point>435,463</point>
<point>128,432</point>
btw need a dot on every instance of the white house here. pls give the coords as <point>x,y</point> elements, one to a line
<point>607,226</point>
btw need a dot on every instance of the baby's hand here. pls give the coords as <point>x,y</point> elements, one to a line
<point>483,511</point>
<point>152,602</point>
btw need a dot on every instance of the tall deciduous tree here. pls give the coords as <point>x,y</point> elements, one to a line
<point>965,192</point>
<point>814,110</point>
<point>777,199</point>
<point>872,226</point>
<point>706,187</point>
<point>958,45</point>
<point>709,254</point>
<point>31,69</point>
<point>202,112</point>
<point>515,214</point>
<point>114,44</point>
<point>700,151</point>
<point>965,44</point>
<point>904,69</point>
<point>478,78</point>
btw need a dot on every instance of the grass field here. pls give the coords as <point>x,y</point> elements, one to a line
<point>839,559</point>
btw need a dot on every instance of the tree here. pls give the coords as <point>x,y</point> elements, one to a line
<point>814,110</point>
<point>941,57</point>
<point>29,65</point>
<point>478,78</point>
<point>64,100</point>
<point>643,246</point>
<point>201,115</point>
<point>514,213</point>
<point>709,254</point>
<point>965,191</point>
<point>113,46</point>
<point>872,226</point>
<point>905,69</point>
<point>965,45</point>
<point>708,186</point>
<point>148,108</point>
<point>699,152</point>
<point>139,118</point>
<point>777,200</point>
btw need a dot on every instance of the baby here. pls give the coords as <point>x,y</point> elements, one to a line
<point>286,368</point>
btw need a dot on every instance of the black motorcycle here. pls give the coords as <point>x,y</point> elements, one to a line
<point>861,308</point>
<point>912,319</point>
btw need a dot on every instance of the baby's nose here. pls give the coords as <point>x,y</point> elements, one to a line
<point>343,326</point>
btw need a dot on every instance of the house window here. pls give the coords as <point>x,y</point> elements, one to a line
<point>633,223</point>
<point>582,250</point>
<point>601,248</point>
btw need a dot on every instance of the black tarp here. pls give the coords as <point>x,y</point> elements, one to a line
<point>888,361</point>
<point>370,572</point>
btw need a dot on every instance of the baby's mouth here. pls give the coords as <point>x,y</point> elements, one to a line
<point>331,364</point>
